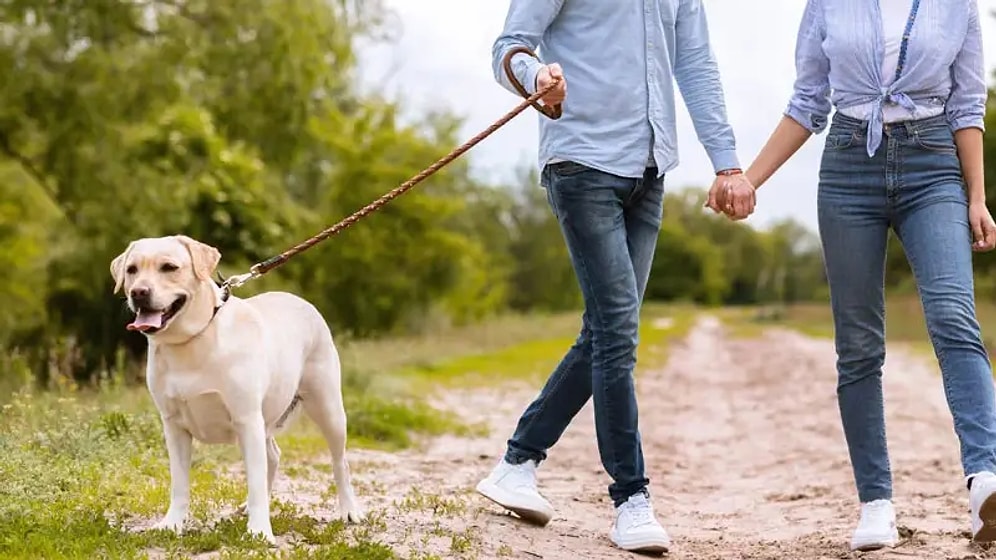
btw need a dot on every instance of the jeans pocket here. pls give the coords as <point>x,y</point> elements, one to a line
<point>938,139</point>
<point>840,140</point>
<point>567,168</point>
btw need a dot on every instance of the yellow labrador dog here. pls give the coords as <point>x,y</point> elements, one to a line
<point>230,370</point>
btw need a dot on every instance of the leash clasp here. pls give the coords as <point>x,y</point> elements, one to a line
<point>238,280</point>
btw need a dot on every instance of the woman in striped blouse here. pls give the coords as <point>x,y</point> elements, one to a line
<point>903,151</point>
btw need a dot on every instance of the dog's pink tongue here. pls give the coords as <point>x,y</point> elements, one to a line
<point>145,320</point>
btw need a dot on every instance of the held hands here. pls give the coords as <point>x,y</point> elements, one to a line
<point>544,77</point>
<point>983,227</point>
<point>732,195</point>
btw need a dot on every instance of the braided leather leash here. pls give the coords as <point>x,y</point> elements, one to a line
<point>552,112</point>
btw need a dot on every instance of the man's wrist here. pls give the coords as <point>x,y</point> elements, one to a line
<point>723,159</point>
<point>526,69</point>
<point>728,172</point>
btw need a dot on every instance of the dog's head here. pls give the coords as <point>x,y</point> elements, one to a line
<point>162,277</point>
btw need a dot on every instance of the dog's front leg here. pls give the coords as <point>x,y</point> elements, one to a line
<point>252,440</point>
<point>178,446</point>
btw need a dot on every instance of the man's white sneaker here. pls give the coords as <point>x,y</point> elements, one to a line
<point>982,501</point>
<point>877,527</point>
<point>513,487</point>
<point>636,528</point>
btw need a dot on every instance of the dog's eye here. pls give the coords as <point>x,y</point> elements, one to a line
<point>169,267</point>
<point>132,269</point>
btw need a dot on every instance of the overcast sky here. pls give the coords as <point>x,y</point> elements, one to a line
<point>441,58</point>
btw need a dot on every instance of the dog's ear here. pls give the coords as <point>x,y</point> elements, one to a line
<point>118,267</point>
<point>203,256</point>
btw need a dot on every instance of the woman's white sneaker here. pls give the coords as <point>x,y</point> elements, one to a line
<point>513,487</point>
<point>877,527</point>
<point>636,528</point>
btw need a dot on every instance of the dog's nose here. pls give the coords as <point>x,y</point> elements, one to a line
<point>140,294</point>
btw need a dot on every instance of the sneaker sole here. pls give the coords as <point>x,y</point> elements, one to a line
<point>876,544</point>
<point>987,513</point>
<point>498,496</point>
<point>643,547</point>
<point>873,546</point>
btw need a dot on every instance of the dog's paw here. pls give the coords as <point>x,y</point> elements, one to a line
<point>354,514</point>
<point>263,531</point>
<point>169,523</point>
<point>266,536</point>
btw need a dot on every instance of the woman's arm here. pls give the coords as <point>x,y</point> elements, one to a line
<point>969,143</point>
<point>810,104</point>
<point>966,106</point>
<point>784,142</point>
<point>966,111</point>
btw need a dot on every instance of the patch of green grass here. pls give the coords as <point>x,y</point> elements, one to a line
<point>536,358</point>
<point>376,422</point>
<point>77,475</point>
<point>904,320</point>
<point>416,500</point>
<point>462,543</point>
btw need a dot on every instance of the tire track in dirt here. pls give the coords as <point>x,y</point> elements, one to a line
<point>745,453</point>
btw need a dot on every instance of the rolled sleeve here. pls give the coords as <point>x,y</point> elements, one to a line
<point>525,24</point>
<point>966,106</point>
<point>810,103</point>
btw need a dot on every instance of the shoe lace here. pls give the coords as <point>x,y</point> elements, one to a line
<point>877,510</point>
<point>639,511</point>
<point>523,475</point>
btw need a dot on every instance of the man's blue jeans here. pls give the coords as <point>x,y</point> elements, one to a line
<point>914,185</point>
<point>611,225</point>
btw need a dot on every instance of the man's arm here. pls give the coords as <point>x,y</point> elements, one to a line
<point>525,24</point>
<point>697,75</point>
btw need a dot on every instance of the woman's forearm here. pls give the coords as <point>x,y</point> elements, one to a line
<point>784,142</point>
<point>969,143</point>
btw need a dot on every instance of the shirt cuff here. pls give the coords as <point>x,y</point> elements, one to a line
<point>967,121</point>
<point>525,69</point>
<point>810,122</point>
<point>724,159</point>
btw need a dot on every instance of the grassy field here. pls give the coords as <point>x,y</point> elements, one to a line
<point>904,320</point>
<point>79,468</point>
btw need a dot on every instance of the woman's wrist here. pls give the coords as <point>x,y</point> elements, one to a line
<point>753,178</point>
<point>977,194</point>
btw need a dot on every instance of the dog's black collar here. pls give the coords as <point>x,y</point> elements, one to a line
<point>225,293</point>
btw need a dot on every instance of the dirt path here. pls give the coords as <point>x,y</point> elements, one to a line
<point>746,458</point>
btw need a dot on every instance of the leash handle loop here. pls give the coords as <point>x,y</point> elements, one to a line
<point>551,111</point>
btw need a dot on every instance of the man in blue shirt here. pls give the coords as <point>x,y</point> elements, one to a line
<point>603,163</point>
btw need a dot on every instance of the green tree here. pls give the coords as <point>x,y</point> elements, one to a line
<point>686,268</point>
<point>239,123</point>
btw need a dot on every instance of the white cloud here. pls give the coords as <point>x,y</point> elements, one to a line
<point>442,59</point>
